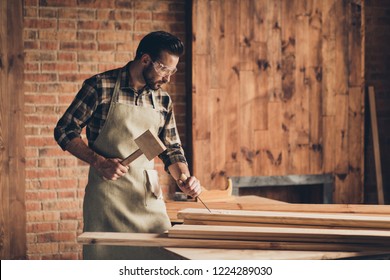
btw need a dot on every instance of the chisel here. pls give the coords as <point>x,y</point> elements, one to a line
<point>183,177</point>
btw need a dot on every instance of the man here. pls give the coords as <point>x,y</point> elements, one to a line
<point>116,107</point>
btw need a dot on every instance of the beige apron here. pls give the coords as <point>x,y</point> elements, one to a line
<point>134,202</point>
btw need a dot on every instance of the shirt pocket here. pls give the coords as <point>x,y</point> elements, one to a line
<point>152,183</point>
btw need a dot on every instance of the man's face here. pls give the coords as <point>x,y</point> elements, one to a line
<point>159,72</point>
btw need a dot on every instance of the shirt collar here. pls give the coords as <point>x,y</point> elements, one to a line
<point>125,81</point>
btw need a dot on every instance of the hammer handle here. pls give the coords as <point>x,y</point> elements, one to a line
<point>132,157</point>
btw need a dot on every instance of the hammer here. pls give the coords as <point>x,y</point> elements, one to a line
<point>148,144</point>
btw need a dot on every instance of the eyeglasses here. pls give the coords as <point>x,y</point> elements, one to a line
<point>163,70</point>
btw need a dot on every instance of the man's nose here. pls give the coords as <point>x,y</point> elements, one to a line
<point>166,78</point>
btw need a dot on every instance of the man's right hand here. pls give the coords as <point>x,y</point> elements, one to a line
<point>110,168</point>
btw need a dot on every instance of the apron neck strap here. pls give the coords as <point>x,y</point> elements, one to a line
<point>115,95</point>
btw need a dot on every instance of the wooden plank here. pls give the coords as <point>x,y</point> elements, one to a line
<point>219,129</point>
<point>375,137</point>
<point>299,137</point>
<point>356,145</point>
<point>247,103</point>
<point>12,166</point>
<point>240,233</point>
<point>232,85</point>
<point>162,240</point>
<point>5,127</point>
<point>243,224</point>
<point>237,254</point>
<point>314,83</point>
<point>292,218</point>
<point>329,57</point>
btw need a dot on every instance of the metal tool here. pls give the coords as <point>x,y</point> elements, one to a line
<point>183,177</point>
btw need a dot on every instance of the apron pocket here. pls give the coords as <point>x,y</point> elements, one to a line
<point>152,183</point>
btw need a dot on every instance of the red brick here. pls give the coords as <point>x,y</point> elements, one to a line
<point>59,205</point>
<point>66,24</point>
<point>48,162</point>
<point>143,26</point>
<point>41,248</point>
<point>94,25</point>
<point>125,47</point>
<point>59,67</point>
<point>124,4</point>
<point>40,77</point>
<point>31,45</point>
<point>56,237</point>
<point>30,11</point>
<point>39,56</point>
<point>73,77</point>
<point>48,13</point>
<point>123,15</point>
<point>66,194</point>
<point>59,184</point>
<point>42,227</point>
<point>68,226</point>
<point>49,45</point>
<point>40,216</point>
<point>40,195</point>
<point>95,57</point>
<point>41,173</point>
<point>96,4</point>
<point>168,17</point>
<point>124,57</point>
<point>109,36</point>
<point>30,3</point>
<point>107,47</point>
<point>40,23</point>
<point>52,151</point>
<point>66,56</point>
<point>40,99</point>
<point>30,34</point>
<point>30,163</point>
<point>39,141</point>
<point>58,3</point>
<point>33,206</point>
<point>71,215</point>
<point>71,172</point>
<point>105,15</point>
<point>31,67</point>
<point>123,25</point>
<point>78,46</point>
<point>86,35</point>
<point>142,15</point>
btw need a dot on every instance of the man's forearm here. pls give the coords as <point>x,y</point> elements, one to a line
<point>177,169</point>
<point>79,149</point>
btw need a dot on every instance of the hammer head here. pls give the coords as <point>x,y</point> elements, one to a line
<point>150,145</point>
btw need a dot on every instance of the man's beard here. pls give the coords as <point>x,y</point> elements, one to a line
<point>149,81</point>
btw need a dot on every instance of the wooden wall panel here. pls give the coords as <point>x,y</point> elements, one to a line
<point>12,161</point>
<point>282,91</point>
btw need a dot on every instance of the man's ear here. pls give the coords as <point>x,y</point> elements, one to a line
<point>145,58</point>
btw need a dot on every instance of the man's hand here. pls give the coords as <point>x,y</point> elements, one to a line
<point>190,186</point>
<point>110,168</point>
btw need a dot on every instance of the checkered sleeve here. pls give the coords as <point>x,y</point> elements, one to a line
<point>77,115</point>
<point>170,137</point>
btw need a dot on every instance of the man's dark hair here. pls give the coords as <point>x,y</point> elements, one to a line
<point>155,42</point>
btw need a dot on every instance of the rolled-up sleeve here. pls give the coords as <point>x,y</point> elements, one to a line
<point>170,137</point>
<point>76,116</point>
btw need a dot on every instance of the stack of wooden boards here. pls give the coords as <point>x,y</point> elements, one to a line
<point>265,231</point>
<point>287,230</point>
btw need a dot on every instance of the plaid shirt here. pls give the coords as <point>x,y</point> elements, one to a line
<point>91,104</point>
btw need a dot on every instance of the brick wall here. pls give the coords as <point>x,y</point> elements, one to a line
<point>67,41</point>
<point>377,66</point>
